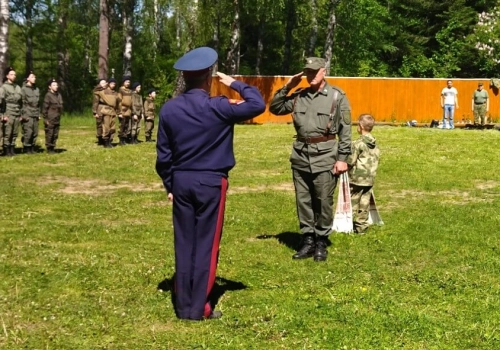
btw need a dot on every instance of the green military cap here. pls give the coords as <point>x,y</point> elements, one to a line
<point>315,63</point>
<point>480,83</point>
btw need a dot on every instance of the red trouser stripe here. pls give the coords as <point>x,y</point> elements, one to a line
<point>215,245</point>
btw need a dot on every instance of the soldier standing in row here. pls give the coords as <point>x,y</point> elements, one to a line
<point>149,113</point>
<point>30,113</point>
<point>137,112</point>
<point>125,97</point>
<point>108,107</point>
<point>322,119</point>
<point>52,111</point>
<point>103,84</point>
<point>11,104</point>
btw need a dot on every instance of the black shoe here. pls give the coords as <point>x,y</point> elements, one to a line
<point>100,141</point>
<point>122,141</point>
<point>31,150</point>
<point>51,150</point>
<point>12,151</point>
<point>307,248</point>
<point>28,150</point>
<point>215,315</point>
<point>134,140</point>
<point>5,151</point>
<point>148,139</point>
<point>320,253</point>
<point>107,144</point>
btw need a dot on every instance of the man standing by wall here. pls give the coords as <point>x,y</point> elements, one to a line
<point>449,102</point>
<point>480,105</point>
<point>322,119</point>
<point>30,113</point>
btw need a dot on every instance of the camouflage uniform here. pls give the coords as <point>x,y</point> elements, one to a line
<point>363,164</point>
<point>125,96</point>
<point>96,111</point>
<point>316,150</point>
<point>108,107</point>
<point>52,111</point>
<point>137,112</point>
<point>11,102</point>
<point>149,120</point>
<point>30,116</point>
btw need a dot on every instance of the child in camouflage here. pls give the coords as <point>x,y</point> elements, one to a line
<point>363,164</point>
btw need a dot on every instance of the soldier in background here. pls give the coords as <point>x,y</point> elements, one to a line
<point>103,84</point>
<point>30,113</point>
<point>149,113</point>
<point>480,104</point>
<point>137,112</point>
<point>52,110</point>
<point>125,96</point>
<point>108,108</point>
<point>11,103</point>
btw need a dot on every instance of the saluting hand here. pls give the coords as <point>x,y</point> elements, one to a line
<point>225,79</point>
<point>294,81</point>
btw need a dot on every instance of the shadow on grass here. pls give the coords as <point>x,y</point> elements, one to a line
<point>221,286</point>
<point>290,239</point>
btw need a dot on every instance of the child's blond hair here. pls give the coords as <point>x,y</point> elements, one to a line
<point>367,122</point>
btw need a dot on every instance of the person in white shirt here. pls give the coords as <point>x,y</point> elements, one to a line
<point>449,101</point>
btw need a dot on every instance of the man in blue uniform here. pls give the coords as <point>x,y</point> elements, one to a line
<point>194,156</point>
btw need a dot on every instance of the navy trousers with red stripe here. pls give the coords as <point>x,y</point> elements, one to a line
<point>198,215</point>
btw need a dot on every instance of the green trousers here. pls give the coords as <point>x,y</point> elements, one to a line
<point>136,127</point>
<point>125,126</point>
<point>360,200</point>
<point>314,200</point>
<point>98,126</point>
<point>51,131</point>
<point>480,114</point>
<point>30,131</point>
<point>10,130</point>
<point>149,125</point>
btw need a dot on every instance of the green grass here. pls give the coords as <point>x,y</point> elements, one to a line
<point>86,241</point>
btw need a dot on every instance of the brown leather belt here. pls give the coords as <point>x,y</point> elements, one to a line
<point>318,139</point>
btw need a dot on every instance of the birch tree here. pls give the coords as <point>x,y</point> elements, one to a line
<point>103,39</point>
<point>4,35</point>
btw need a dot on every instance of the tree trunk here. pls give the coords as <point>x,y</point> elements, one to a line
<point>103,39</point>
<point>216,39</point>
<point>29,37</point>
<point>290,23</point>
<point>330,36</point>
<point>233,52</point>
<point>260,47</point>
<point>4,35</point>
<point>156,29</point>
<point>313,38</point>
<point>128,32</point>
<point>178,28</point>
<point>62,52</point>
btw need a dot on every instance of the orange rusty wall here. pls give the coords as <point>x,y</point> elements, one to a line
<point>387,99</point>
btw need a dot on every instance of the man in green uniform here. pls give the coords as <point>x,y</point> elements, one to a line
<point>480,104</point>
<point>103,84</point>
<point>52,110</point>
<point>30,113</point>
<point>322,119</point>
<point>109,108</point>
<point>137,111</point>
<point>11,101</point>
<point>149,114</point>
<point>125,96</point>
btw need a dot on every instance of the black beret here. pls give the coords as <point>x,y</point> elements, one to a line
<point>7,70</point>
<point>135,85</point>
<point>125,78</point>
<point>111,80</point>
<point>51,81</point>
<point>28,74</point>
<point>150,91</point>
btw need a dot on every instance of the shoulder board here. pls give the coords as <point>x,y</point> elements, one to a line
<point>298,91</point>
<point>235,102</point>
<point>338,89</point>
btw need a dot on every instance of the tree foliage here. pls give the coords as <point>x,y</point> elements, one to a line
<point>410,38</point>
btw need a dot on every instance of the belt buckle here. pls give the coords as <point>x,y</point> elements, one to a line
<point>307,140</point>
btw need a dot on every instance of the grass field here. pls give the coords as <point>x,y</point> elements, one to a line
<point>86,250</point>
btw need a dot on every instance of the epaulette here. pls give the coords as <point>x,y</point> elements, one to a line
<point>338,89</point>
<point>298,91</point>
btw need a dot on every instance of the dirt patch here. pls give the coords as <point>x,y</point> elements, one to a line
<point>283,187</point>
<point>398,198</point>
<point>487,185</point>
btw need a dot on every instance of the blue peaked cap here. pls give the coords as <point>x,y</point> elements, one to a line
<point>197,59</point>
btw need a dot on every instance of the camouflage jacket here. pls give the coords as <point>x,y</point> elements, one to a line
<point>125,96</point>
<point>149,108</point>
<point>108,102</point>
<point>363,162</point>
<point>311,113</point>
<point>31,101</point>
<point>137,106</point>
<point>11,99</point>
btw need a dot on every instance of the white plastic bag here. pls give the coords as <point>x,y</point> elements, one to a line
<point>342,220</point>
<point>373,215</point>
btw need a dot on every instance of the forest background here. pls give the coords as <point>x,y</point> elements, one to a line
<point>77,41</point>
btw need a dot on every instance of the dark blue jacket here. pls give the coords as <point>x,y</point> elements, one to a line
<point>195,132</point>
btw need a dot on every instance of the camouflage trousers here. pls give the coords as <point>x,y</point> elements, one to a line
<point>30,131</point>
<point>314,201</point>
<point>149,125</point>
<point>136,127</point>
<point>125,126</point>
<point>108,127</point>
<point>10,129</point>
<point>360,200</point>
<point>480,114</point>
<point>98,126</point>
<point>51,131</point>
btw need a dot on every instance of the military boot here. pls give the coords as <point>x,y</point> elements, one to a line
<point>320,252</point>
<point>307,248</point>
<point>134,140</point>
<point>148,139</point>
<point>5,151</point>
<point>51,150</point>
<point>100,141</point>
<point>26,150</point>
<point>123,141</point>
<point>12,151</point>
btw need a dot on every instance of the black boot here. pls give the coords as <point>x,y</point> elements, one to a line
<point>26,150</point>
<point>134,140</point>
<point>307,248</point>
<point>100,141</point>
<point>31,150</point>
<point>5,151</point>
<point>320,252</point>
<point>107,144</point>
<point>122,141</point>
<point>51,150</point>
<point>12,151</point>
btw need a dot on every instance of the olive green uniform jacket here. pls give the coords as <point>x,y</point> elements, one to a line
<point>311,112</point>
<point>52,107</point>
<point>149,108</point>
<point>11,99</point>
<point>125,96</point>
<point>31,101</point>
